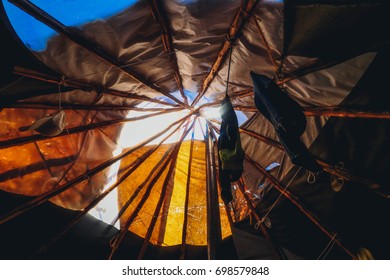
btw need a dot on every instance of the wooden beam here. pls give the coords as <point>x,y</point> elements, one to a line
<point>341,112</point>
<point>38,137</point>
<point>143,184</point>
<point>75,84</point>
<point>163,196</point>
<point>234,95</point>
<point>259,220</point>
<point>164,162</point>
<point>240,19</point>
<point>161,167</point>
<point>341,173</point>
<point>48,195</point>
<point>65,106</point>
<point>186,203</point>
<point>81,40</point>
<point>157,210</point>
<point>308,68</point>
<point>214,237</point>
<point>262,138</point>
<point>128,171</point>
<point>267,46</point>
<point>296,201</point>
<point>241,93</point>
<point>160,15</point>
<point>34,167</point>
<point>245,108</point>
<point>279,253</point>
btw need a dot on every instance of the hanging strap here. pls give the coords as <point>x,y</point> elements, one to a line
<point>228,74</point>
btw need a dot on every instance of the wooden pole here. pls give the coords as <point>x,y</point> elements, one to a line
<point>43,198</point>
<point>296,201</point>
<point>245,108</point>
<point>75,84</point>
<point>329,112</point>
<point>141,186</point>
<point>268,48</point>
<point>159,14</point>
<point>81,40</point>
<point>119,237</point>
<point>50,106</point>
<point>164,162</point>
<point>259,220</point>
<point>128,171</point>
<point>214,237</point>
<point>241,93</point>
<point>162,198</point>
<point>235,95</point>
<point>38,137</point>
<point>253,209</point>
<point>31,168</point>
<point>157,210</point>
<point>345,113</point>
<point>240,19</point>
<point>342,173</point>
<point>186,203</point>
<point>262,138</point>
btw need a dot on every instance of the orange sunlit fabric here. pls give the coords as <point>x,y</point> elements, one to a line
<point>23,171</point>
<point>34,168</point>
<point>175,202</point>
<point>197,205</point>
<point>169,227</point>
<point>129,186</point>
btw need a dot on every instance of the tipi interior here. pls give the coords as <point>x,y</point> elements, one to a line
<point>111,118</point>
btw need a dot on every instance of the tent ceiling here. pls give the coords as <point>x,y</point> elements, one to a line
<point>160,56</point>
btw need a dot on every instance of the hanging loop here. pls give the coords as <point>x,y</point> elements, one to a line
<point>311,178</point>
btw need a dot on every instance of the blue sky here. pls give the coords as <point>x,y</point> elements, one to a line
<point>35,35</point>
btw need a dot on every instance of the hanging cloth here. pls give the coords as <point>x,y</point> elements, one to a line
<point>286,117</point>
<point>229,143</point>
<point>50,125</point>
<point>230,153</point>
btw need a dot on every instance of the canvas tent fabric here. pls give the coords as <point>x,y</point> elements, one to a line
<point>167,54</point>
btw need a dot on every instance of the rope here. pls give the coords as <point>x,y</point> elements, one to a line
<point>265,218</point>
<point>323,255</point>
